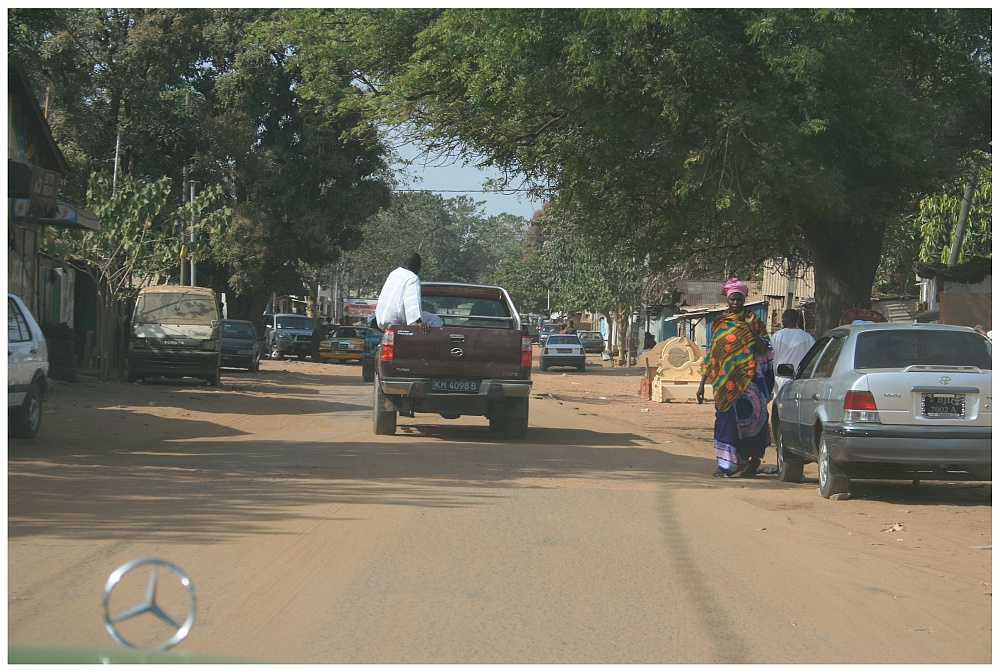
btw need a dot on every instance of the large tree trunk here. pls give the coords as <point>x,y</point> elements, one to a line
<point>846,256</point>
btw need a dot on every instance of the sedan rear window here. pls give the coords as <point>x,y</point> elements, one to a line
<point>563,339</point>
<point>891,349</point>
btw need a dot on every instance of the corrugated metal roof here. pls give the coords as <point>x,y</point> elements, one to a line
<point>775,281</point>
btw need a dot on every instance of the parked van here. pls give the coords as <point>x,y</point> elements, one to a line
<point>175,333</point>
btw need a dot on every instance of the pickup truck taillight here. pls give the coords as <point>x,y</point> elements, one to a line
<point>387,340</point>
<point>526,351</point>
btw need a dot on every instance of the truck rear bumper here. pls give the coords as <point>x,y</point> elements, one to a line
<point>419,388</point>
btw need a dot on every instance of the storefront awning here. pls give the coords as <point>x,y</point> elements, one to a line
<point>63,214</point>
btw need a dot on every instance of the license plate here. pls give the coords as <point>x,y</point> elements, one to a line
<point>943,405</point>
<point>455,385</point>
<point>564,351</point>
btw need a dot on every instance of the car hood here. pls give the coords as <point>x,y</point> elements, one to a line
<point>230,340</point>
<point>33,654</point>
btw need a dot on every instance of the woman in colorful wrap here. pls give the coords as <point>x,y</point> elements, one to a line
<point>739,366</point>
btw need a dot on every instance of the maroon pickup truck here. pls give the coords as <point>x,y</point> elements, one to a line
<point>478,363</point>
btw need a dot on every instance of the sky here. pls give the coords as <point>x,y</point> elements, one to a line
<point>457,180</point>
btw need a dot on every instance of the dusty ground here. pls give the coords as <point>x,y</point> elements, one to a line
<point>892,575</point>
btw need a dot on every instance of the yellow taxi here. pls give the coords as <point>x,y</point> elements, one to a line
<point>344,344</point>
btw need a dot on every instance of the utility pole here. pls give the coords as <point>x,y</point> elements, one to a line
<point>191,201</point>
<point>184,188</point>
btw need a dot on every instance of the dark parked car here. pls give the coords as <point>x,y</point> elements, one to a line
<point>240,345</point>
<point>592,341</point>
<point>892,401</point>
<point>547,330</point>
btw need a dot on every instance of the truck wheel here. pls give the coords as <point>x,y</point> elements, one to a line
<point>515,418</point>
<point>384,421</point>
<point>27,418</point>
<point>213,379</point>
<point>276,354</point>
<point>497,424</point>
<point>367,372</point>
<point>831,479</point>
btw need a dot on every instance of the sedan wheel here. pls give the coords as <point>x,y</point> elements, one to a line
<point>789,469</point>
<point>831,479</point>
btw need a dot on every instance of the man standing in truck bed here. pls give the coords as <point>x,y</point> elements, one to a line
<point>400,300</point>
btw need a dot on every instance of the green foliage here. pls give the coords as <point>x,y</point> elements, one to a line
<point>456,242</point>
<point>709,137</point>
<point>143,236</point>
<point>939,214</point>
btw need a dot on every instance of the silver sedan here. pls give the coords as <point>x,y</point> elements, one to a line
<point>888,401</point>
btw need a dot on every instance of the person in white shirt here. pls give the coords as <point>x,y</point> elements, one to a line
<point>400,300</point>
<point>790,344</point>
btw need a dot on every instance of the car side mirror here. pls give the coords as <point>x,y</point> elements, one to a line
<point>786,370</point>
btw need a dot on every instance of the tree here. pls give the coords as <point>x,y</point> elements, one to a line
<point>456,241</point>
<point>140,240</point>
<point>718,137</point>
<point>194,95</point>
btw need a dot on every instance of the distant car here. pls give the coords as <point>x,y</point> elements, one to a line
<point>290,334</point>
<point>592,341</point>
<point>370,349</point>
<point>547,330</point>
<point>240,345</point>
<point>345,344</point>
<point>563,350</point>
<point>27,370</point>
<point>888,401</point>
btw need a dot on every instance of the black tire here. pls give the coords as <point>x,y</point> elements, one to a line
<point>64,373</point>
<point>134,376</point>
<point>832,480</point>
<point>254,363</point>
<point>367,372</point>
<point>581,367</point>
<point>515,417</point>
<point>542,367</point>
<point>26,419</point>
<point>63,359</point>
<point>789,468</point>
<point>384,421</point>
<point>60,345</point>
<point>213,379</point>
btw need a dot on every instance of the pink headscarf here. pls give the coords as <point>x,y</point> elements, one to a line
<point>734,285</point>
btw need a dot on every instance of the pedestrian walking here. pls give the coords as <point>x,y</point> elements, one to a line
<point>739,367</point>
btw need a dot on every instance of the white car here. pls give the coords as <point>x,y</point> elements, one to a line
<point>563,350</point>
<point>27,370</point>
<point>888,401</point>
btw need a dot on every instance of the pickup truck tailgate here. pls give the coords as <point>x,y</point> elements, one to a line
<point>455,352</point>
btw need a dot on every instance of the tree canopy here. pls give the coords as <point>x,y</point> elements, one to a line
<point>712,137</point>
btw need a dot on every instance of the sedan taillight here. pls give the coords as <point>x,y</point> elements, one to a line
<point>859,406</point>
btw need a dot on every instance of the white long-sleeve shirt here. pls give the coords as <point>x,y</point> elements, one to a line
<point>790,346</point>
<point>399,301</point>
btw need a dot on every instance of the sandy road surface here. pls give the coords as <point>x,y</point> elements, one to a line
<point>602,538</point>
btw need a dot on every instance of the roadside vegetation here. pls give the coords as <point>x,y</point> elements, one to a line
<point>666,143</point>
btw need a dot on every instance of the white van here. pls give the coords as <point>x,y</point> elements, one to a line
<point>175,333</point>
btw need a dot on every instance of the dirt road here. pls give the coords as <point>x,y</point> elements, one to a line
<point>602,538</point>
